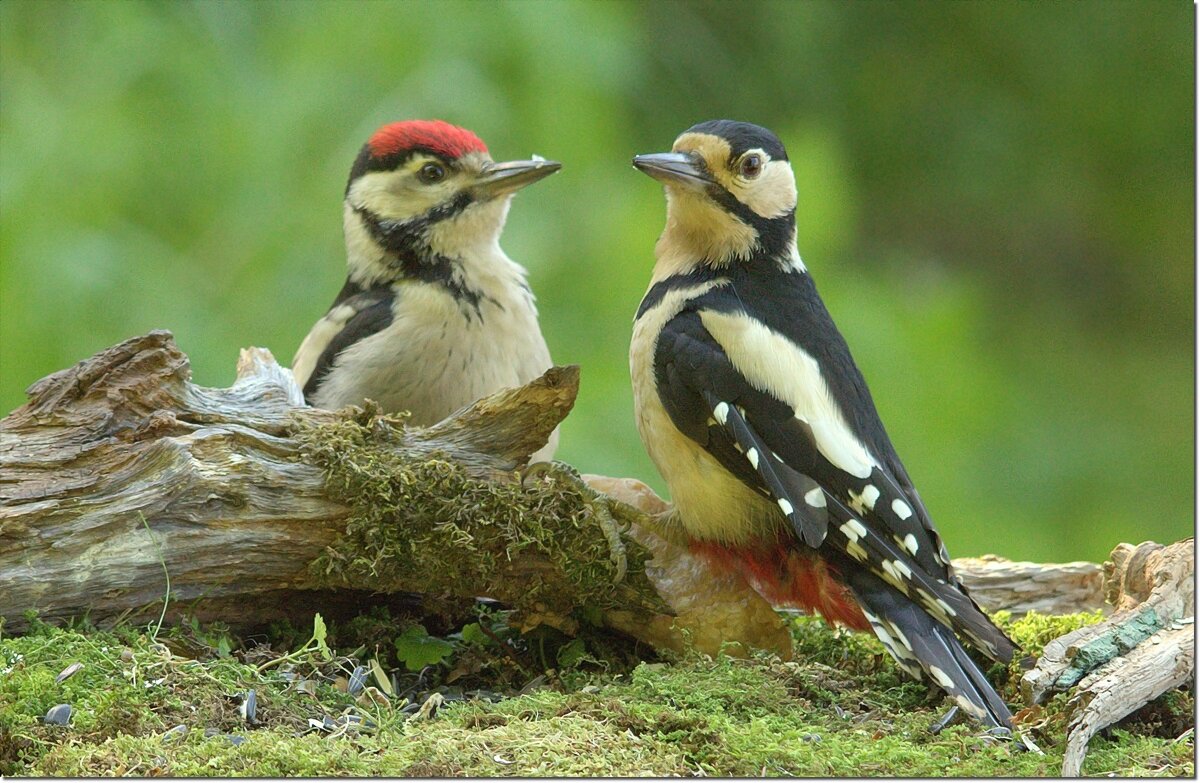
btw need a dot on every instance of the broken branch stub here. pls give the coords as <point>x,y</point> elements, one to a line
<point>1133,657</point>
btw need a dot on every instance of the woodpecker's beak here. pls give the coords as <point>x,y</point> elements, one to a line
<point>673,168</point>
<point>498,179</point>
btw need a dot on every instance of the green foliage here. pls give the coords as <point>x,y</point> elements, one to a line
<point>996,200</point>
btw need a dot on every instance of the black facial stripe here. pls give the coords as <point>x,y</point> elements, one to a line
<point>774,234</point>
<point>406,243</point>
<point>366,162</point>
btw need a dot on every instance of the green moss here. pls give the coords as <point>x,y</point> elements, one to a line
<point>427,523</point>
<point>840,709</point>
<point>1034,631</point>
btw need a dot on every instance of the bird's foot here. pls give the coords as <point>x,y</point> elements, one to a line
<point>599,504</point>
<point>1001,733</point>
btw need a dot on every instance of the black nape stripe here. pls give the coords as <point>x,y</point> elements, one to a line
<point>408,247</point>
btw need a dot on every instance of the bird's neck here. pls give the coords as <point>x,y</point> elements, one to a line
<point>464,260</point>
<point>702,235</point>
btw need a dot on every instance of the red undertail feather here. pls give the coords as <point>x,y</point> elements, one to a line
<point>787,577</point>
<point>449,141</point>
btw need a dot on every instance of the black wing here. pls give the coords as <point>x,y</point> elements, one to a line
<point>759,439</point>
<point>356,313</point>
<point>710,401</point>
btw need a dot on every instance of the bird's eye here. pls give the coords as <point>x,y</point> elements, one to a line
<point>431,173</point>
<point>752,166</point>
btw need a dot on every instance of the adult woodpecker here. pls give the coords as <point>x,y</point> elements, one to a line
<point>753,410</point>
<point>433,314</point>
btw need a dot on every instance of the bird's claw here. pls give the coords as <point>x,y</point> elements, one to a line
<point>597,503</point>
<point>944,721</point>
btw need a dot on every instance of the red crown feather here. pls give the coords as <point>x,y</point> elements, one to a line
<point>442,138</point>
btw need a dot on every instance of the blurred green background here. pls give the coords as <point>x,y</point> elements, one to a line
<point>996,200</point>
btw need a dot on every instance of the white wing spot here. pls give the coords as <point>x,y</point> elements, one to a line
<point>785,506</point>
<point>721,412</point>
<point>752,455</point>
<point>901,637</point>
<point>941,677</point>
<point>816,499</point>
<point>901,568</point>
<point>969,706</point>
<point>864,501</point>
<point>854,530</point>
<point>947,608</point>
<point>910,541</point>
<point>903,511</point>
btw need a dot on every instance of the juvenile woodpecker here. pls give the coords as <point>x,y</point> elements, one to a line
<point>433,314</point>
<point>753,410</point>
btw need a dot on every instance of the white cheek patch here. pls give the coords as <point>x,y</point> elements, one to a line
<point>776,365</point>
<point>772,193</point>
<point>384,193</point>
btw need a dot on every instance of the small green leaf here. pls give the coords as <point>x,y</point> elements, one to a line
<point>418,649</point>
<point>385,682</point>
<point>319,634</point>
<point>472,633</point>
<point>571,653</point>
<point>223,646</point>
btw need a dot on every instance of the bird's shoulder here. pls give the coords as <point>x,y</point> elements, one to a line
<point>357,312</point>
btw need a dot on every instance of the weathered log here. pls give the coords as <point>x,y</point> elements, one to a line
<point>120,474</point>
<point>1134,656</point>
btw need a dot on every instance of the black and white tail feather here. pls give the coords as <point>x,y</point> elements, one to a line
<point>912,613</point>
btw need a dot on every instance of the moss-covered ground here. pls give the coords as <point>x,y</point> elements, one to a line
<point>841,709</point>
